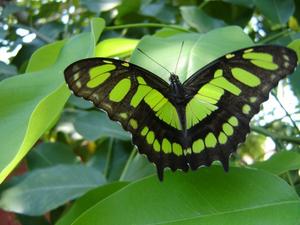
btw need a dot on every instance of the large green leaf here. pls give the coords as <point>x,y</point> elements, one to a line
<point>198,50</point>
<point>30,103</point>
<point>280,162</point>
<point>45,189</point>
<point>89,200</point>
<point>207,196</point>
<point>277,11</point>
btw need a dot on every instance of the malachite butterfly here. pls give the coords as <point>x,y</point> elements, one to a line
<point>184,125</point>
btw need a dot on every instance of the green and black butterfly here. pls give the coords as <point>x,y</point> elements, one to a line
<point>190,124</point>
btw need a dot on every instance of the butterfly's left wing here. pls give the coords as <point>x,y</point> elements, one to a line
<point>136,98</point>
<point>225,95</point>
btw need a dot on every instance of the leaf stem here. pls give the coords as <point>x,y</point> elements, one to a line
<point>288,174</point>
<point>204,3</point>
<point>275,36</point>
<point>159,25</point>
<point>129,160</point>
<point>108,157</point>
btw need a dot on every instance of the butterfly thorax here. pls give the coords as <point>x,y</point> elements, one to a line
<point>177,92</point>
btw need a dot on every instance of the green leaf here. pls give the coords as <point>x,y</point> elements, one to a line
<point>45,189</point>
<point>137,168</point>
<point>207,196</point>
<point>87,201</point>
<point>277,11</point>
<point>94,125</point>
<point>127,9</point>
<point>80,102</point>
<point>47,8</point>
<point>295,45</point>
<point>45,56</point>
<point>280,162</point>
<point>11,8</point>
<point>116,47</point>
<point>50,154</point>
<point>234,14</point>
<point>38,99</point>
<point>199,20</point>
<point>295,81</point>
<point>198,50</point>
<point>52,30</point>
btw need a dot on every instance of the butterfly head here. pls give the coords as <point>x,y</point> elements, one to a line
<point>177,89</point>
<point>174,78</point>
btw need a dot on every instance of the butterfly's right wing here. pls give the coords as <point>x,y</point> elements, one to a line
<point>224,97</point>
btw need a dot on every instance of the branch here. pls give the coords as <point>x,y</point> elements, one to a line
<point>133,25</point>
<point>265,132</point>
<point>275,36</point>
<point>286,112</point>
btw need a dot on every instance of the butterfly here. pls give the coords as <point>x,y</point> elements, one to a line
<point>190,124</point>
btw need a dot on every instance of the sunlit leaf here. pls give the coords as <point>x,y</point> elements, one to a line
<point>116,47</point>
<point>37,99</point>
<point>198,50</point>
<point>89,200</point>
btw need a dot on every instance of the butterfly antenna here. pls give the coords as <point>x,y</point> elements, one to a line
<point>153,60</point>
<point>179,56</point>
